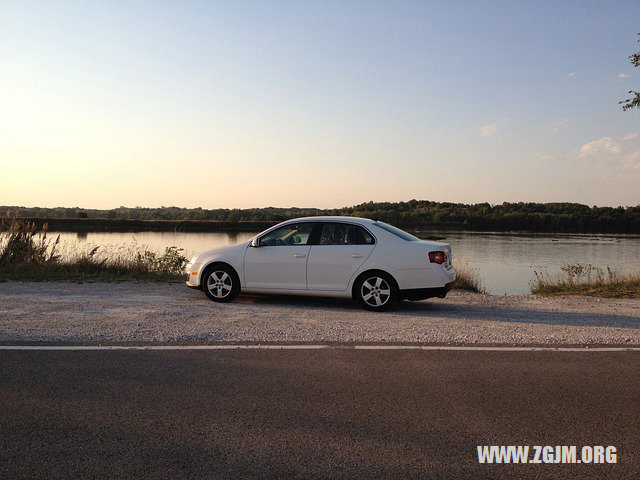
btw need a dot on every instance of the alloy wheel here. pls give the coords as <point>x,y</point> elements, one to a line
<point>375,291</point>
<point>219,284</point>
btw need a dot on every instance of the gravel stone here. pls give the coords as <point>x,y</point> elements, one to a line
<point>60,312</point>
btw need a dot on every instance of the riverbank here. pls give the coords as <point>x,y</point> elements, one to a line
<point>114,313</point>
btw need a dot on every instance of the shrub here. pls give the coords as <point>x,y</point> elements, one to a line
<point>22,244</point>
<point>467,277</point>
<point>579,279</point>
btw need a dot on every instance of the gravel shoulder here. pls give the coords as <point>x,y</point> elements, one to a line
<point>114,313</point>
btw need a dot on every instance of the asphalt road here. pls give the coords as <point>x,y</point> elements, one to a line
<point>334,413</point>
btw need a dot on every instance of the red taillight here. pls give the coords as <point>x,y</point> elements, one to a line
<point>437,257</point>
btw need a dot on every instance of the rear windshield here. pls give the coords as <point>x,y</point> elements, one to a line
<point>397,232</point>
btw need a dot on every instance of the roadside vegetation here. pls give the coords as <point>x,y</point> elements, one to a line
<point>30,254</point>
<point>467,277</point>
<point>578,279</point>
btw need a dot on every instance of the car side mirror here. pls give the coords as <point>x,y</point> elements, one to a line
<point>255,242</point>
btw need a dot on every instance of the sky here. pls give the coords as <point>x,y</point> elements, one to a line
<point>235,104</point>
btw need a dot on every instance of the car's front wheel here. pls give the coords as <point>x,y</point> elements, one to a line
<point>376,291</point>
<point>220,283</point>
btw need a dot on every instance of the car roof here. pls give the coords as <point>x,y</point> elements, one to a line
<point>337,218</point>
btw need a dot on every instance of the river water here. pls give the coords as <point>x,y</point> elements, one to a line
<point>505,263</point>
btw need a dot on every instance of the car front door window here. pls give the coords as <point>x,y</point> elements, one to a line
<point>291,235</point>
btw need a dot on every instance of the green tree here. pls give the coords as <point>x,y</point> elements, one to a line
<point>634,101</point>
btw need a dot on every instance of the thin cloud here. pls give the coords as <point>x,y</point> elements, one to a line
<point>492,130</point>
<point>611,156</point>
<point>571,75</point>
<point>557,126</point>
<point>488,130</point>
<point>623,75</point>
<point>632,161</point>
<point>601,145</point>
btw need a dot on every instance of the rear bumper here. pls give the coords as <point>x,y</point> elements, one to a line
<point>422,293</point>
<point>429,276</point>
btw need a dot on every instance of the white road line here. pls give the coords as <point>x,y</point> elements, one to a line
<point>316,347</point>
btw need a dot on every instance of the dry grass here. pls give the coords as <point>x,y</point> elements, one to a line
<point>30,255</point>
<point>588,280</point>
<point>467,277</point>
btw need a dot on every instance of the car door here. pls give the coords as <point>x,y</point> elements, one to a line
<point>341,249</point>
<point>278,260</point>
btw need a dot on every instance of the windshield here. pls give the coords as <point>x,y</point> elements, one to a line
<point>397,232</point>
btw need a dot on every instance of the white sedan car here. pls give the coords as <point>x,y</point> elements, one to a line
<point>367,260</point>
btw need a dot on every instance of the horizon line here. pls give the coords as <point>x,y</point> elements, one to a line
<point>323,208</point>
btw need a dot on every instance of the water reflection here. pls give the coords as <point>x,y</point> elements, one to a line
<point>232,237</point>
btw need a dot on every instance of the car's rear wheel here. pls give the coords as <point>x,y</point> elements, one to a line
<point>376,291</point>
<point>220,283</point>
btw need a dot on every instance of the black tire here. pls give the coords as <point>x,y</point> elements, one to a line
<point>220,283</point>
<point>376,291</point>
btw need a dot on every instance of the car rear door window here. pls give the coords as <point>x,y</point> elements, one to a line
<point>344,234</point>
<point>364,237</point>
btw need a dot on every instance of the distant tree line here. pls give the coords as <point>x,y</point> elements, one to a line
<point>414,214</point>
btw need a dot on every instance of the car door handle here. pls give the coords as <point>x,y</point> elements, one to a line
<point>299,255</point>
<point>355,255</point>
